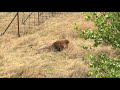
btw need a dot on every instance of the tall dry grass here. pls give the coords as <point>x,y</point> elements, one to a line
<point>18,58</point>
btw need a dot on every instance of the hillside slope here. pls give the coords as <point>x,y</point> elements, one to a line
<point>18,56</point>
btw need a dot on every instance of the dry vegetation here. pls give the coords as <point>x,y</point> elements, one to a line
<point>18,58</point>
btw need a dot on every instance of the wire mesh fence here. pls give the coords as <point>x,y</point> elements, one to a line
<point>23,22</point>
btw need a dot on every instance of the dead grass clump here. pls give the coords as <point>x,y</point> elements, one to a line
<point>102,49</point>
<point>78,70</point>
<point>64,34</point>
<point>19,58</point>
<point>23,72</point>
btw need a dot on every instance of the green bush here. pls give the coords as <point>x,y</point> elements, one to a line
<point>108,28</point>
<point>108,32</point>
<point>103,67</point>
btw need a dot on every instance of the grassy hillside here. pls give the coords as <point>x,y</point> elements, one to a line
<point>18,56</point>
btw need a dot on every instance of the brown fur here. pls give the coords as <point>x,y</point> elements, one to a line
<point>56,46</point>
<point>60,45</point>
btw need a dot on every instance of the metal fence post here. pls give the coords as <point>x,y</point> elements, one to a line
<point>18,24</point>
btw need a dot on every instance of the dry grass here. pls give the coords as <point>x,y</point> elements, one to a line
<point>18,58</point>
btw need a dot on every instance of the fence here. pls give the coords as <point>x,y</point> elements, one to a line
<point>22,22</point>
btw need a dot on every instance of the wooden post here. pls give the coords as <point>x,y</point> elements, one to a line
<point>18,24</point>
<point>34,19</point>
<point>52,14</point>
<point>38,17</point>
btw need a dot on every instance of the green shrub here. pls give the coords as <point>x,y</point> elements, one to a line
<point>103,67</point>
<point>108,28</point>
<point>108,32</point>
